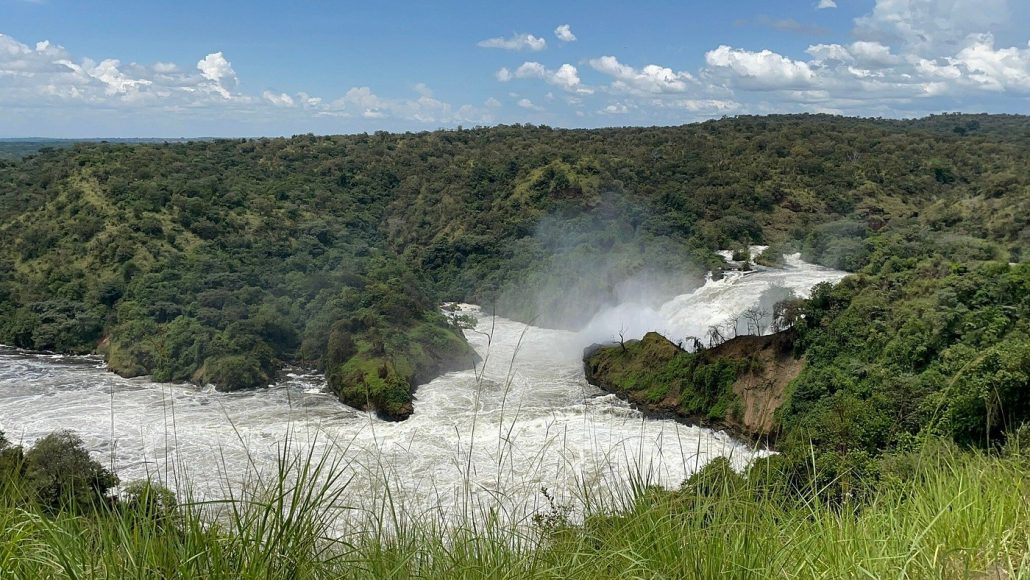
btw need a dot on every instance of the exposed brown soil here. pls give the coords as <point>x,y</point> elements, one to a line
<point>761,389</point>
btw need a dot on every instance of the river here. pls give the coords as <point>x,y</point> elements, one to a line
<point>489,437</point>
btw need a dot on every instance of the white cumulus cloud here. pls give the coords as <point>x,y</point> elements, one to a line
<point>278,99</point>
<point>565,77</point>
<point>650,79</point>
<point>109,73</point>
<point>215,68</point>
<point>515,42</point>
<point>873,54</point>
<point>528,104</point>
<point>758,70</point>
<point>564,33</point>
<point>363,102</point>
<point>930,27</point>
<point>995,69</point>
<point>829,52</point>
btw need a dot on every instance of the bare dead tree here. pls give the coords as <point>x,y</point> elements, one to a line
<point>693,342</point>
<point>715,336</point>
<point>754,317</point>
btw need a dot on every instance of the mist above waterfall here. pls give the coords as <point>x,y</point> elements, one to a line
<point>605,275</point>
<point>599,259</point>
<point>717,304</point>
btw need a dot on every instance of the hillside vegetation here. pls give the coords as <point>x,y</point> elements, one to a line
<point>217,261</point>
<point>914,347</point>
<point>902,394</point>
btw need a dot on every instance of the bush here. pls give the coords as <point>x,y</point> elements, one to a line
<point>60,474</point>
<point>837,245</point>
<point>11,462</point>
<point>234,372</point>
<point>150,500</point>
<point>989,394</point>
<point>717,477</point>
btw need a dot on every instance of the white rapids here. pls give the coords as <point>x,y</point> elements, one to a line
<point>717,303</point>
<point>525,419</point>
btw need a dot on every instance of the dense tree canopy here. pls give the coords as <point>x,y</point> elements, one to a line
<point>216,261</point>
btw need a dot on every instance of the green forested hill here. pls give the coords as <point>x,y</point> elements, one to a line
<point>216,261</point>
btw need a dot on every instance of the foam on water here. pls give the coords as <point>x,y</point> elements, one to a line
<point>713,304</point>
<point>525,418</point>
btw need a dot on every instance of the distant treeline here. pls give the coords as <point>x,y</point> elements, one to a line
<point>17,148</point>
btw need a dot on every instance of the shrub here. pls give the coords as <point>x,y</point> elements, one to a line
<point>234,372</point>
<point>150,500</point>
<point>60,473</point>
<point>11,462</point>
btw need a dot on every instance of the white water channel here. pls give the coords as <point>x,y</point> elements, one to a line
<point>525,419</point>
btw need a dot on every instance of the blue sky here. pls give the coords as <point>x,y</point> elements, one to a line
<point>229,68</point>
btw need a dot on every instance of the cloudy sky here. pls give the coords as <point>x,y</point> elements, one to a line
<point>245,68</point>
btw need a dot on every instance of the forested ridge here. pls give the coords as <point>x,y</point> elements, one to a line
<point>217,261</point>
<point>17,148</point>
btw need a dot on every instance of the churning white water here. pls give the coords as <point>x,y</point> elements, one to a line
<point>719,303</point>
<point>525,419</point>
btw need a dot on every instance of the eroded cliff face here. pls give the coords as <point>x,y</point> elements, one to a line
<point>762,388</point>
<point>737,385</point>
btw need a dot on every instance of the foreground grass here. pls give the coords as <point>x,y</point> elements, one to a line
<point>955,515</point>
<point>959,516</point>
